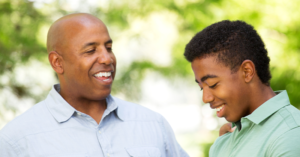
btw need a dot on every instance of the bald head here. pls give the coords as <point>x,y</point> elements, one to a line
<point>62,30</point>
<point>79,48</point>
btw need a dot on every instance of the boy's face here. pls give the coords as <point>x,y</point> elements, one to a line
<point>224,90</point>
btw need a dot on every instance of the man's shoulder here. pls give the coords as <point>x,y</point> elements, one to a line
<point>25,124</point>
<point>133,111</point>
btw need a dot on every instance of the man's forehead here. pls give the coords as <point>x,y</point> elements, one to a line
<point>79,20</point>
<point>66,27</point>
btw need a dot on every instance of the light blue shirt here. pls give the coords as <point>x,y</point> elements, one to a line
<point>53,128</point>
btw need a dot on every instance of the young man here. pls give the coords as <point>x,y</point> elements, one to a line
<point>231,66</point>
<point>80,118</point>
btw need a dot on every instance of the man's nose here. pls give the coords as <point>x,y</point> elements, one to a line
<point>105,57</point>
<point>207,96</point>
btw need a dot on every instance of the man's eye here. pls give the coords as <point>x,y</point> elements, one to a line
<point>213,86</point>
<point>201,89</point>
<point>91,51</point>
<point>109,49</point>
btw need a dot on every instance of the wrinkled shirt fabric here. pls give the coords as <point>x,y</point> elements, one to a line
<point>272,130</point>
<point>53,128</point>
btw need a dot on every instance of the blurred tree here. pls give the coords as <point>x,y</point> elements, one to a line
<point>18,38</point>
<point>276,21</point>
<point>19,26</point>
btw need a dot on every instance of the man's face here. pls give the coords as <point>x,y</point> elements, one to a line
<point>225,91</point>
<point>88,61</point>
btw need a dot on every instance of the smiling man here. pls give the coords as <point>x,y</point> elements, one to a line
<point>79,117</point>
<point>231,66</point>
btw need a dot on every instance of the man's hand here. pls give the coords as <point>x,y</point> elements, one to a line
<point>226,128</point>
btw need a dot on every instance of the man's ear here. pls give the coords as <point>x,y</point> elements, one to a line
<point>56,62</point>
<point>248,69</point>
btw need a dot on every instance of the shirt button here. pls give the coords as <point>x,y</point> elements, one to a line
<point>79,114</point>
<point>99,132</point>
<point>107,154</point>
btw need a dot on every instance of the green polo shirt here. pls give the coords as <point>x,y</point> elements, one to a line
<point>272,130</point>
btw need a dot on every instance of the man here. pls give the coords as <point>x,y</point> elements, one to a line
<point>231,66</point>
<point>80,118</point>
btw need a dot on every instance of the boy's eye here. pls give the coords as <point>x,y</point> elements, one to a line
<point>213,86</point>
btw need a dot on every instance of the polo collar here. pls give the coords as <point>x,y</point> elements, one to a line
<point>62,111</point>
<point>269,107</point>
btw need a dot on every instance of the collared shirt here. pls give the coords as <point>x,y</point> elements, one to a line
<point>272,130</point>
<point>53,128</point>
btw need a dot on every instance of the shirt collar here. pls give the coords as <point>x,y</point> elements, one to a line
<point>63,111</point>
<point>58,107</point>
<point>113,105</point>
<point>269,107</point>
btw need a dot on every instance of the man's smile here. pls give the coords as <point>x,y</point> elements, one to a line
<point>104,76</point>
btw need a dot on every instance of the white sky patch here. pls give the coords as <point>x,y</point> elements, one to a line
<point>150,39</point>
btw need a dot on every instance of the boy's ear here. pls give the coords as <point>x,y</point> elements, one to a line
<point>248,69</point>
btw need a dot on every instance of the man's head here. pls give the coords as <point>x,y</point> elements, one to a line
<point>80,51</point>
<point>230,62</point>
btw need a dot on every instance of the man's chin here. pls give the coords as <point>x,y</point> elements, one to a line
<point>101,95</point>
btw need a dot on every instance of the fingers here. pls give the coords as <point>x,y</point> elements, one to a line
<point>226,128</point>
<point>232,129</point>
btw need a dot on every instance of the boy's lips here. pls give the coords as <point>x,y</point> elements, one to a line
<point>220,109</point>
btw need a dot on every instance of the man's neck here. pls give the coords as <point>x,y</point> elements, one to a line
<point>93,108</point>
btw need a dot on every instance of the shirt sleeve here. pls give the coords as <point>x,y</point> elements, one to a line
<point>172,146</point>
<point>287,145</point>
<point>6,150</point>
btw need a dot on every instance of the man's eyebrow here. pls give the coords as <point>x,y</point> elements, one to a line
<point>108,42</point>
<point>89,44</point>
<point>207,77</point>
<point>95,43</point>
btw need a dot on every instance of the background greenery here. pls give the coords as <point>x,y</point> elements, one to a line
<point>22,24</point>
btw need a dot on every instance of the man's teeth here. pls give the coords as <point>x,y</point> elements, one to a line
<point>219,108</point>
<point>103,74</point>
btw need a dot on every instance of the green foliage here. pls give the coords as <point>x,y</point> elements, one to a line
<point>18,38</point>
<point>206,147</point>
<point>274,17</point>
<point>19,24</point>
<point>276,21</point>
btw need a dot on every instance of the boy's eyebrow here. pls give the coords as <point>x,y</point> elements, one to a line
<point>207,77</point>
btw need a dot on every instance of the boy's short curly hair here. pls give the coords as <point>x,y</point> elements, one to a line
<point>232,42</point>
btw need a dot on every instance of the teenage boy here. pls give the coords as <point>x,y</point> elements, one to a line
<point>231,66</point>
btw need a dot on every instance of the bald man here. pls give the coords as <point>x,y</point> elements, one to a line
<point>79,117</point>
